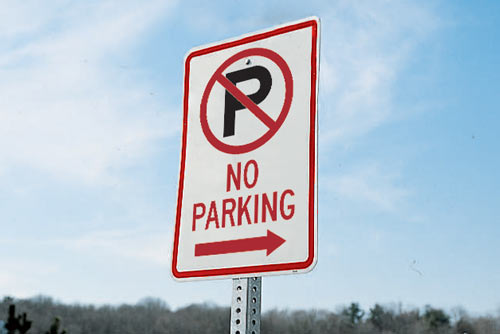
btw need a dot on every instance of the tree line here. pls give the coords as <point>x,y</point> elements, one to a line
<point>43,315</point>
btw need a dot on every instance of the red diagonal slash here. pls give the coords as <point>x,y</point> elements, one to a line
<point>269,243</point>
<point>245,100</point>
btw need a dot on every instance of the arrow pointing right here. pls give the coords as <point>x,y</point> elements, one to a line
<point>270,243</point>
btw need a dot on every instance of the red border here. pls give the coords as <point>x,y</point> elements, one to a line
<point>312,160</point>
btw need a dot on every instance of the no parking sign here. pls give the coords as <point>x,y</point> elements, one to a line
<point>247,198</point>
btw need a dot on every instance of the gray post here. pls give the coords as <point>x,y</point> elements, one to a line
<point>245,306</point>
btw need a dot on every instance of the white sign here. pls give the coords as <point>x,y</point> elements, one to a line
<point>247,199</point>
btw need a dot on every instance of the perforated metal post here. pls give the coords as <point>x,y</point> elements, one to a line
<point>245,306</point>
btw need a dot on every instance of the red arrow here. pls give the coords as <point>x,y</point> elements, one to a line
<point>268,243</point>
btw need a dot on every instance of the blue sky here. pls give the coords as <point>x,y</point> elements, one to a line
<point>90,118</point>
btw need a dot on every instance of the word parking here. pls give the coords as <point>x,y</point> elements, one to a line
<point>249,209</point>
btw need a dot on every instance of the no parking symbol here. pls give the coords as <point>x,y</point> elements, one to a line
<point>236,100</point>
<point>246,202</point>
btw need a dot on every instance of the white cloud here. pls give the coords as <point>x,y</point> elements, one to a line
<point>369,185</point>
<point>66,106</point>
<point>149,246</point>
<point>365,46</point>
<point>15,284</point>
<point>23,18</point>
<point>21,277</point>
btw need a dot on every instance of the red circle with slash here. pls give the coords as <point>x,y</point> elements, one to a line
<point>273,125</point>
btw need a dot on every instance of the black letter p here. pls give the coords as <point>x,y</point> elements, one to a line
<point>232,104</point>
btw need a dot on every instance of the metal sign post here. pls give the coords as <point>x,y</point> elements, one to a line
<point>247,196</point>
<point>245,305</point>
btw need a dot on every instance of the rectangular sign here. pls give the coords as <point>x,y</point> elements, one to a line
<point>247,198</point>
